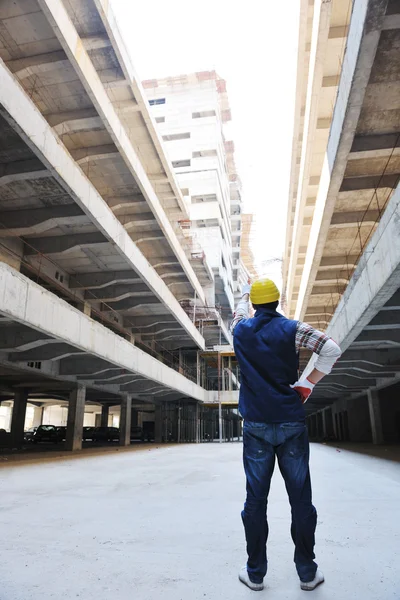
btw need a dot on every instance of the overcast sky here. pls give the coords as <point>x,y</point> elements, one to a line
<point>253,45</point>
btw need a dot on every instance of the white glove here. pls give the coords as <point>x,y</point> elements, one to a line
<point>304,388</point>
<point>246,289</point>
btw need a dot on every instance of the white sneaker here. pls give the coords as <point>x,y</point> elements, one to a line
<point>311,585</point>
<point>244,578</point>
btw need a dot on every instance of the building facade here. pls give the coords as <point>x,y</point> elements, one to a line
<point>191,111</point>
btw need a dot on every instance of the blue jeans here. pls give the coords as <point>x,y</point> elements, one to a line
<point>289,443</point>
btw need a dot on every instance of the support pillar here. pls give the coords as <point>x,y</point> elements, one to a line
<point>76,412</point>
<point>18,418</point>
<point>125,421</point>
<point>324,425</point>
<point>197,421</point>
<point>105,411</point>
<point>158,425</point>
<point>375,416</point>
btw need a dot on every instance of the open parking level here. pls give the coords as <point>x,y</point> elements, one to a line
<point>135,523</point>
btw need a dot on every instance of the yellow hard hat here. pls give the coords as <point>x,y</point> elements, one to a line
<point>264,291</point>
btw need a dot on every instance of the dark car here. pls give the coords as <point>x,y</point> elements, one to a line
<point>62,433</point>
<point>137,434</point>
<point>148,431</point>
<point>105,434</point>
<point>29,434</point>
<point>47,433</point>
<point>87,433</point>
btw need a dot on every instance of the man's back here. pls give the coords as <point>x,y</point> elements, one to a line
<point>266,351</point>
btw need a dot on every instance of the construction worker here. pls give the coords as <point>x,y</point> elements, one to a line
<point>271,403</point>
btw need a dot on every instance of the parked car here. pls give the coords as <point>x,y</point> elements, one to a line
<point>137,434</point>
<point>105,434</point>
<point>5,439</point>
<point>47,433</point>
<point>87,433</point>
<point>29,434</point>
<point>148,431</point>
<point>62,433</point>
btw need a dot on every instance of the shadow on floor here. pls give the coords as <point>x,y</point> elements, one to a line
<point>387,452</point>
<point>51,453</point>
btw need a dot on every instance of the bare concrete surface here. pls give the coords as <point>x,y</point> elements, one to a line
<point>165,524</point>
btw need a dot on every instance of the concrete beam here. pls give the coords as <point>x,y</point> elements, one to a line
<point>384,320</point>
<point>345,261</point>
<point>362,217</point>
<point>58,245</point>
<point>82,124</point>
<point>22,170</point>
<point>121,203</point>
<point>96,42</point>
<point>369,182</point>
<point>126,107</point>
<point>54,351</point>
<point>39,220</point>
<point>382,141</point>
<point>136,221</point>
<point>114,293</point>
<point>390,336</point>
<point>88,365</point>
<point>319,289</point>
<point>64,29</point>
<point>95,153</point>
<point>20,112</point>
<point>38,64</point>
<point>150,322</point>
<point>393,303</point>
<point>28,303</point>
<point>16,336</point>
<point>89,281</point>
<point>129,303</point>
<point>362,43</point>
<point>379,357</point>
<point>341,276</point>
<point>78,114</point>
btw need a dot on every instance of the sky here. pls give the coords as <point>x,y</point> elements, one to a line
<point>253,46</point>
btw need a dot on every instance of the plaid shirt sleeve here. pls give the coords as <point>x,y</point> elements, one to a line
<point>308,337</point>
<point>327,351</point>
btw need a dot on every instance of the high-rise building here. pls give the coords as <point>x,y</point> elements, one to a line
<point>191,111</point>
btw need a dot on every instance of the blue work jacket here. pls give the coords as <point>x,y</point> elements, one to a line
<point>265,347</point>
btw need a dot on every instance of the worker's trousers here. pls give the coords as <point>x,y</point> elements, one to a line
<point>289,443</point>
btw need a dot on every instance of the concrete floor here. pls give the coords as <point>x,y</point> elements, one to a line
<point>165,523</point>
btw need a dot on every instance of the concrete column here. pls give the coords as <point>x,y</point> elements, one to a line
<point>105,411</point>
<point>197,423</point>
<point>158,425</point>
<point>18,417</point>
<point>76,412</point>
<point>37,416</point>
<point>125,421</point>
<point>375,416</point>
<point>329,422</point>
<point>324,425</point>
